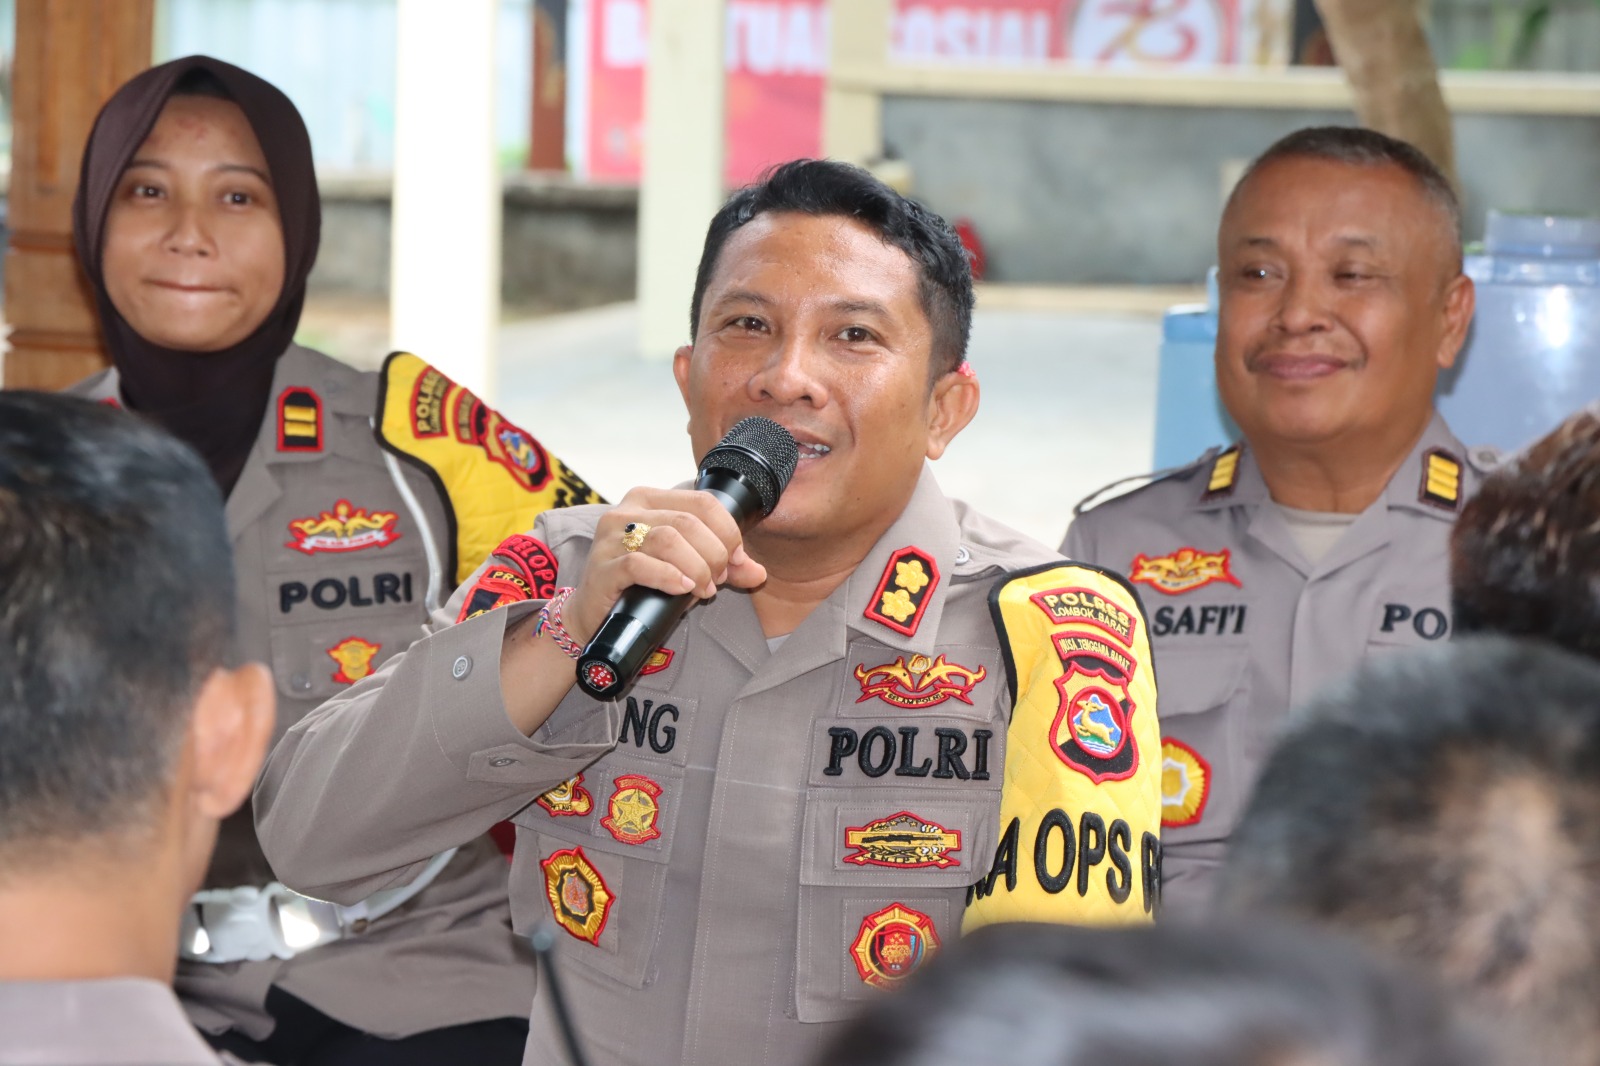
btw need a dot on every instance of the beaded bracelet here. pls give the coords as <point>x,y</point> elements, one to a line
<point>550,622</point>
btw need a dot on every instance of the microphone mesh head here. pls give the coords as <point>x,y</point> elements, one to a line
<point>760,451</point>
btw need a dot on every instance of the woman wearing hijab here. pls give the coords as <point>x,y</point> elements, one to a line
<point>356,503</point>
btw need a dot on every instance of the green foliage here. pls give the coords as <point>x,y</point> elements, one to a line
<point>1518,28</point>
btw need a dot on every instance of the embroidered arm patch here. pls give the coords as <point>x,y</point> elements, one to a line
<point>495,477</point>
<point>522,568</point>
<point>1080,806</point>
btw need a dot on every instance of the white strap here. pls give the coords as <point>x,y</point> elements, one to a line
<point>249,923</point>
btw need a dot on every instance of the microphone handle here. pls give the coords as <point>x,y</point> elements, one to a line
<point>642,618</point>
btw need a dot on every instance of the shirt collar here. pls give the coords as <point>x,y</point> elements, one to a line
<point>1433,471</point>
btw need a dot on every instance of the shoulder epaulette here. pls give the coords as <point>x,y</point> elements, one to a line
<point>494,477</point>
<point>1224,474</point>
<point>1094,499</point>
<point>1485,457</point>
<point>1441,479</point>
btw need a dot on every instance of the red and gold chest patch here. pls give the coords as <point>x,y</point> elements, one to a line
<point>904,591</point>
<point>903,841</point>
<point>346,528</point>
<point>1183,571</point>
<point>299,420</point>
<point>922,682</point>
<point>568,799</point>
<point>633,810</point>
<point>354,657</point>
<point>579,898</point>
<point>659,660</point>
<point>1185,784</point>
<point>892,944</point>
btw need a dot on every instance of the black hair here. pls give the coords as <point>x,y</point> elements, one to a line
<point>823,187</point>
<point>1525,552</point>
<point>116,603</point>
<point>1357,146</point>
<point>1444,805</point>
<point>1258,995</point>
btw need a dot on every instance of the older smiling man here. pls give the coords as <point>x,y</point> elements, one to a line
<point>887,717</point>
<point>1276,565</point>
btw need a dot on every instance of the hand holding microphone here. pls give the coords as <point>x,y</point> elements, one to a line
<point>659,551</point>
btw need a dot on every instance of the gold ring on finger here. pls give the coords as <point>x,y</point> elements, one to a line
<point>633,535</point>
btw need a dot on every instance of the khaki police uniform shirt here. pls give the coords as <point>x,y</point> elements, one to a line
<point>1245,627</point>
<point>119,1021</point>
<point>339,553</point>
<point>774,835</point>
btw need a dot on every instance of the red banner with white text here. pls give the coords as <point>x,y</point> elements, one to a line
<point>777,57</point>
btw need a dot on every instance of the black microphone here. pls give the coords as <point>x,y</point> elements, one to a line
<point>746,472</point>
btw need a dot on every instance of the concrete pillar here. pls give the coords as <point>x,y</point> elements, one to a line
<point>444,283</point>
<point>681,187</point>
<point>852,116</point>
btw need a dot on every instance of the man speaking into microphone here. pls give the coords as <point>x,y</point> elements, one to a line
<point>883,717</point>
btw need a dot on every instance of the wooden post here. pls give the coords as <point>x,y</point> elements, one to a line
<point>71,56</point>
<point>547,146</point>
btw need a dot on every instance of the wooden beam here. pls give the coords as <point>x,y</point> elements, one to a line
<point>71,55</point>
<point>1466,92</point>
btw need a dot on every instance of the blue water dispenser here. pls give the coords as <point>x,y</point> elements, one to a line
<point>1533,356</point>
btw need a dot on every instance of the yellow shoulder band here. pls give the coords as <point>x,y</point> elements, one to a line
<point>494,477</point>
<point>1080,807</point>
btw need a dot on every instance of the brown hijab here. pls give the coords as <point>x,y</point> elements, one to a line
<point>214,401</point>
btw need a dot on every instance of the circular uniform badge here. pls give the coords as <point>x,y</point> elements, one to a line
<point>1185,784</point>
<point>892,944</point>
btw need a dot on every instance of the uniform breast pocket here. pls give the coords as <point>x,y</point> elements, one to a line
<point>314,661</point>
<point>883,876</point>
<point>1202,694</point>
<point>1408,618</point>
<point>592,857</point>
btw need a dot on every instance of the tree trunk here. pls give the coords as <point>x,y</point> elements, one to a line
<point>1386,58</point>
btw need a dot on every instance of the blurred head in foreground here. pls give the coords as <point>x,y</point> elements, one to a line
<point>1046,995</point>
<point>1525,553</point>
<point>1445,807</point>
<point>125,733</point>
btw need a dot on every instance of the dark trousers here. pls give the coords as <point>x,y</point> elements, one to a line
<point>304,1036</point>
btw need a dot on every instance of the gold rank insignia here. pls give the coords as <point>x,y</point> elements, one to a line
<point>1185,784</point>
<point>299,420</point>
<point>579,898</point>
<point>1183,571</point>
<point>354,657</point>
<point>892,944</point>
<point>633,810</point>
<point>568,799</point>
<point>1224,472</point>
<point>904,591</point>
<point>1441,480</point>
<point>903,841</point>
<point>923,682</point>
<point>659,660</point>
